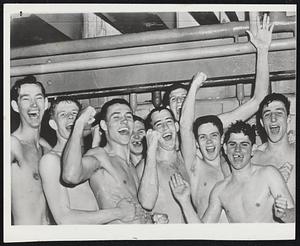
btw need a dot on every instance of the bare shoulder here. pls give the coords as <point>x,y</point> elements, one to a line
<point>49,160</point>
<point>221,185</point>
<point>266,171</point>
<point>259,156</point>
<point>16,148</point>
<point>45,145</point>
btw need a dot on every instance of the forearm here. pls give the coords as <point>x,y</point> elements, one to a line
<point>188,110</point>
<point>189,212</point>
<point>262,74</point>
<point>72,156</point>
<point>148,189</point>
<point>104,216</point>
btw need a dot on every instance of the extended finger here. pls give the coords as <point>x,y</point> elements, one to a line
<point>264,24</point>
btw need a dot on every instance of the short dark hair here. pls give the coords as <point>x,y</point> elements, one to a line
<point>215,120</point>
<point>60,99</point>
<point>273,97</point>
<point>138,118</point>
<point>104,109</point>
<point>173,87</point>
<point>30,79</point>
<point>241,127</point>
<point>148,121</point>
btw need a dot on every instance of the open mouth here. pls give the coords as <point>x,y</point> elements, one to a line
<point>238,157</point>
<point>34,114</point>
<point>274,129</point>
<point>167,136</point>
<point>124,131</point>
<point>210,149</point>
<point>136,143</point>
<point>69,127</point>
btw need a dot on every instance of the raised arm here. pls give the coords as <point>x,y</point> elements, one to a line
<point>261,42</point>
<point>182,193</point>
<point>188,141</point>
<point>75,167</point>
<point>59,203</point>
<point>149,185</point>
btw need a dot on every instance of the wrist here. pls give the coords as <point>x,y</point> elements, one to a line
<point>263,50</point>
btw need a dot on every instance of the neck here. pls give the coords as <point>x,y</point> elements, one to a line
<point>163,155</point>
<point>135,159</point>
<point>118,149</point>
<point>214,163</point>
<point>242,174</point>
<point>280,146</point>
<point>29,134</point>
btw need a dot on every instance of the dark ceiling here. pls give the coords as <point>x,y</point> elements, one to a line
<point>38,29</point>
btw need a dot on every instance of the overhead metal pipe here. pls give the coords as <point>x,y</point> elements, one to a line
<point>148,58</point>
<point>146,38</point>
<point>210,82</point>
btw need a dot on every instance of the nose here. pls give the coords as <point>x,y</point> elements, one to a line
<point>165,126</point>
<point>71,116</point>
<point>209,140</point>
<point>135,136</point>
<point>273,117</point>
<point>237,148</point>
<point>33,103</point>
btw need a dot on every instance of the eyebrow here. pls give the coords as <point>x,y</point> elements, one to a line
<point>118,112</point>
<point>167,118</point>
<point>280,109</point>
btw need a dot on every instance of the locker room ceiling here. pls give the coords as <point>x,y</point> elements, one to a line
<point>33,29</point>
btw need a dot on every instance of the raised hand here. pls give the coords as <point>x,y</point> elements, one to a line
<point>199,79</point>
<point>86,116</point>
<point>152,137</point>
<point>127,206</point>
<point>280,206</point>
<point>286,170</point>
<point>159,218</point>
<point>262,39</point>
<point>180,188</point>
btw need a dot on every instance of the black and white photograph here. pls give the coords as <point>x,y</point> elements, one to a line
<point>132,122</point>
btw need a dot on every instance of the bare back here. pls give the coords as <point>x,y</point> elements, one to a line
<point>28,202</point>
<point>114,180</point>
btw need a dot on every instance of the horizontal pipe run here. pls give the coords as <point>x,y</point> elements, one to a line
<point>146,38</point>
<point>210,82</point>
<point>148,58</point>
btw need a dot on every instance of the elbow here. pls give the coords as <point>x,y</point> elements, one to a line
<point>70,178</point>
<point>146,203</point>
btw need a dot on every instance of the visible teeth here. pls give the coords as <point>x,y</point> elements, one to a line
<point>124,131</point>
<point>167,136</point>
<point>33,114</point>
<point>137,143</point>
<point>210,149</point>
<point>275,129</point>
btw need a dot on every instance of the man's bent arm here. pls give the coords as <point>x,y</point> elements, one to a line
<point>188,142</point>
<point>214,209</point>
<point>58,198</point>
<point>189,213</point>
<point>75,167</point>
<point>149,184</point>
<point>262,42</point>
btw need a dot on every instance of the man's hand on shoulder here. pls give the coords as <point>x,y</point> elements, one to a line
<point>127,207</point>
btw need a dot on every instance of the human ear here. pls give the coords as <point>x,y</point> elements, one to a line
<point>53,124</point>
<point>15,106</point>
<point>46,103</point>
<point>103,125</point>
<point>225,148</point>
<point>261,122</point>
<point>176,126</point>
<point>222,139</point>
<point>254,149</point>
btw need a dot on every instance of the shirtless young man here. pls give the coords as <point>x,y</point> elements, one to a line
<point>162,161</point>
<point>277,151</point>
<point>73,204</point>
<point>28,202</point>
<point>249,195</point>
<point>137,140</point>
<point>207,131</point>
<point>111,175</point>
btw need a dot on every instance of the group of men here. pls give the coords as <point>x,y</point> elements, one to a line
<point>168,168</point>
